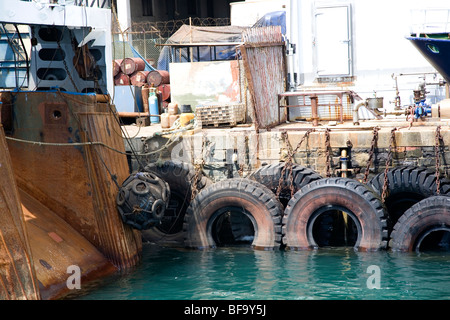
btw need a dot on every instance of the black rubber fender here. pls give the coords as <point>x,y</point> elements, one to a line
<point>351,196</point>
<point>179,175</point>
<point>407,185</point>
<point>426,216</point>
<point>270,175</point>
<point>259,203</point>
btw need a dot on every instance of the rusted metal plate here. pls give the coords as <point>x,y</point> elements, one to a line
<point>6,117</point>
<point>17,276</point>
<point>79,182</point>
<point>53,255</point>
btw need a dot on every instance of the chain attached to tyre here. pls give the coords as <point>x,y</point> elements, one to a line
<point>198,165</point>
<point>289,162</point>
<point>438,138</point>
<point>328,152</point>
<point>371,152</point>
<point>388,163</point>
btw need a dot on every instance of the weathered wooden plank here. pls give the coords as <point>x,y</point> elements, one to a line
<point>262,54</point>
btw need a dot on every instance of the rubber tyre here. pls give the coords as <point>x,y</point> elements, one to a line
<point>355,198</point>
<point>407,186</point>
<point>270,176</point>
<point>424,216</point>
<point>261,205</point>
<point>179,176</point>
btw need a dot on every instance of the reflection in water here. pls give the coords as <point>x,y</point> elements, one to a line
<point>242,273</point>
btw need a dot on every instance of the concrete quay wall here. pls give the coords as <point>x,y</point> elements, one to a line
<point>234,152</point>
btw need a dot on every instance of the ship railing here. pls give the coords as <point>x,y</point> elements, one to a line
<point>435,20</point>
<point>103,4</point>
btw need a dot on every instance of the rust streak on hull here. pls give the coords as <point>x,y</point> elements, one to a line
<point>17,277</point>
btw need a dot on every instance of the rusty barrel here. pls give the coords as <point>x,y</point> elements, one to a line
<point>132,65</point>
<point>121,79</point>
<point>145,93</point>
<point>165,91</point>
<point>139,78</point>
<point>116,66</point>
<point>158,77</point>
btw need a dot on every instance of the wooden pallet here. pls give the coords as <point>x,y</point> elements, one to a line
<point>217,114</point>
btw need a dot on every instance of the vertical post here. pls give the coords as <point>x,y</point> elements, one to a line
<point>191,54</point>
<point>124,16</point>
<point>314,111</point>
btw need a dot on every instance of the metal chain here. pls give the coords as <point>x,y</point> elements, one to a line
<point>327,151</point>
<point>411,116</point>
<point>438,139</point>
<point>242,165</point>
<point>198,169</point>
<point>371,152</point>
<point>289,162</point>
<point>67,68</point>
<point>241,170</point>
<point>388,163</point>
<point>284,135</point>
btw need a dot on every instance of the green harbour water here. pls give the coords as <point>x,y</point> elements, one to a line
<point>241,273</point>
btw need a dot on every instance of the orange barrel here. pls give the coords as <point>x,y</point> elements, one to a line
<point>116,66</point>
<point>165,91</point>
<point>121,79</point>
<point>132,65</point>
<point>158,77</point>
<point>139,78</point>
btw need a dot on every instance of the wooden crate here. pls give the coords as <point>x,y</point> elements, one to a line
<point>216,114</point>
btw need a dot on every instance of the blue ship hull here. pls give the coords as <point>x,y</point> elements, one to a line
<point>437,53</point>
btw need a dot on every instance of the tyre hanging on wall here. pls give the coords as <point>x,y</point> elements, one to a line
<point>335,212</point>
<point>179,176</point>
<point>216,206</point>
<point>424,226</point>
<point>407,186</point>
<point>270,177</point>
